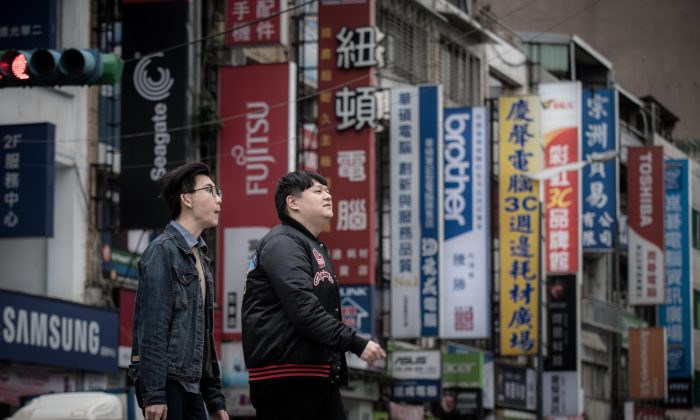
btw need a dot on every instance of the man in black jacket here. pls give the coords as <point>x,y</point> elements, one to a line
<point>294,340</point>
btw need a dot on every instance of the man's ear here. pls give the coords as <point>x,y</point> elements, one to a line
<point>292,202</point>
<point>185,200</point>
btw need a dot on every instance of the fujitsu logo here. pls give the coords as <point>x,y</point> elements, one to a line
<point>319,259</point>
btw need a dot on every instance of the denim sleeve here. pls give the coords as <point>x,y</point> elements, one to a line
<point>154,303</point>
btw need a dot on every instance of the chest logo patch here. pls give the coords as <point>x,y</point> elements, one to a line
<point>319,259</point>
<point>322,276</point>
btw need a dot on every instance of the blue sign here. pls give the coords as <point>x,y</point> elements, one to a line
<point>458,171</point>
<point>52,332</point>
<point>675,315</point>
<point>28,24</point>
<point>415,390</point>
<point>430,210</point>
<point>599,179</point>
<point>356,308</point>
<point>27,177</point>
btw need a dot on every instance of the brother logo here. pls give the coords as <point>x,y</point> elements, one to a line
<point>456,168</point>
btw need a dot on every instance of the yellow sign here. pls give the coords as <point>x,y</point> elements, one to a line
<point>519,218</point>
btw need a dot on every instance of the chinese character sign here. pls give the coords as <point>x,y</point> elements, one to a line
<point>416,210</point>
<point>348,52</point>
<point>645,236</point>
<point>416,375</point>
<point>562,323</point>
<point>519,223</point>
<point>255,22</point>
<point>26,180</point>
<point>254,152</point>
<point>560,128</point>
<point>599,179</point>
<point>675,315</point>
<point>465,289</point>
<point>28,24</point>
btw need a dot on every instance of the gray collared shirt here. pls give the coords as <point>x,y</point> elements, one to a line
<point>192,387</point>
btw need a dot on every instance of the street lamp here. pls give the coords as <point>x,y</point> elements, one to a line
<point>540,177</point>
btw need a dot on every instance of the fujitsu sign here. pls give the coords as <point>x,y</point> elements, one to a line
<point>645,190</point>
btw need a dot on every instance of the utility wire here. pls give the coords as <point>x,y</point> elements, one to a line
<point>282,104</point>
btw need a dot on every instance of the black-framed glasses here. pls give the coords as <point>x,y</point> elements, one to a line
<point>211,189</point>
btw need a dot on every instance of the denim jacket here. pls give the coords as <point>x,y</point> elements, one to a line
<point>172,337</point>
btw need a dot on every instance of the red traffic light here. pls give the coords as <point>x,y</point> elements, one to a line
<point>14,65</point>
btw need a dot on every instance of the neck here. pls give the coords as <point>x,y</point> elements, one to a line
<point>190,225</point>
<point>315,230</point>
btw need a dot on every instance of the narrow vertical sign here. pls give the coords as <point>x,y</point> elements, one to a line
<point>519,221</point>
<point>465,291</point>
<point>676,314</point>
<point>561,130</point>
<point>599,179</point>
<point>416,210</point>
<point>645,208</point>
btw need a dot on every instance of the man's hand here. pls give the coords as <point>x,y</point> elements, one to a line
<point>220,415</point>
<point>372,352</point>
<point>156,412</point>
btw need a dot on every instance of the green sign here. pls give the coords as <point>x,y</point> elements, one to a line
<point>463,369</point>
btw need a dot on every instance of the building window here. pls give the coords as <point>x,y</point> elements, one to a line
<point>459,74</point>
<point>407,49</point>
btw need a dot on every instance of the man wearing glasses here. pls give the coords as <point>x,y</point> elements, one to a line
<point>173,359</point>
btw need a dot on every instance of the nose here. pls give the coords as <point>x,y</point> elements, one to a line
<point>218,199</point>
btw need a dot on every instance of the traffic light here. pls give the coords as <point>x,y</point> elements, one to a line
<point>59,67</point>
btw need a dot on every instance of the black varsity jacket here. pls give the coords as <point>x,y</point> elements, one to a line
<point>292,326</point>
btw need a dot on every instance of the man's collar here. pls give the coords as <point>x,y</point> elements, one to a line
<point>289,221</point>
<point>189,238</point>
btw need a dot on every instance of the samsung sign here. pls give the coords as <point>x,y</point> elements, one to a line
<point>47,331</point>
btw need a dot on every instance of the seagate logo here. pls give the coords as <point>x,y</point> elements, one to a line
<point>153,90</point>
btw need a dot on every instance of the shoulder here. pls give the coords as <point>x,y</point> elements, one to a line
<point>161,245</point>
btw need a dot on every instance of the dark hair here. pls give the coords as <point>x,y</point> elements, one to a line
<point>294,183</point>
<point>178,181</point>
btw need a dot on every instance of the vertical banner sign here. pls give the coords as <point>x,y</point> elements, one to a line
<point>561,120</point>
<point>27,173</point>
<point>256,148</point>
<point>416,210</point>
<point>348,52</point>
<point>599,179</point>
<point>519,215</point>
<point>466,292</point>
<point>676,314</point>
<point>561,374</point>
<point>647,364</point>
<point>562,323</point>
<point>255,24</point>
<point>154,102</point>
<point>645,237</point>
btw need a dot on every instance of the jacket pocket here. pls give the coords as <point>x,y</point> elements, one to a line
<point>185,291</point>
